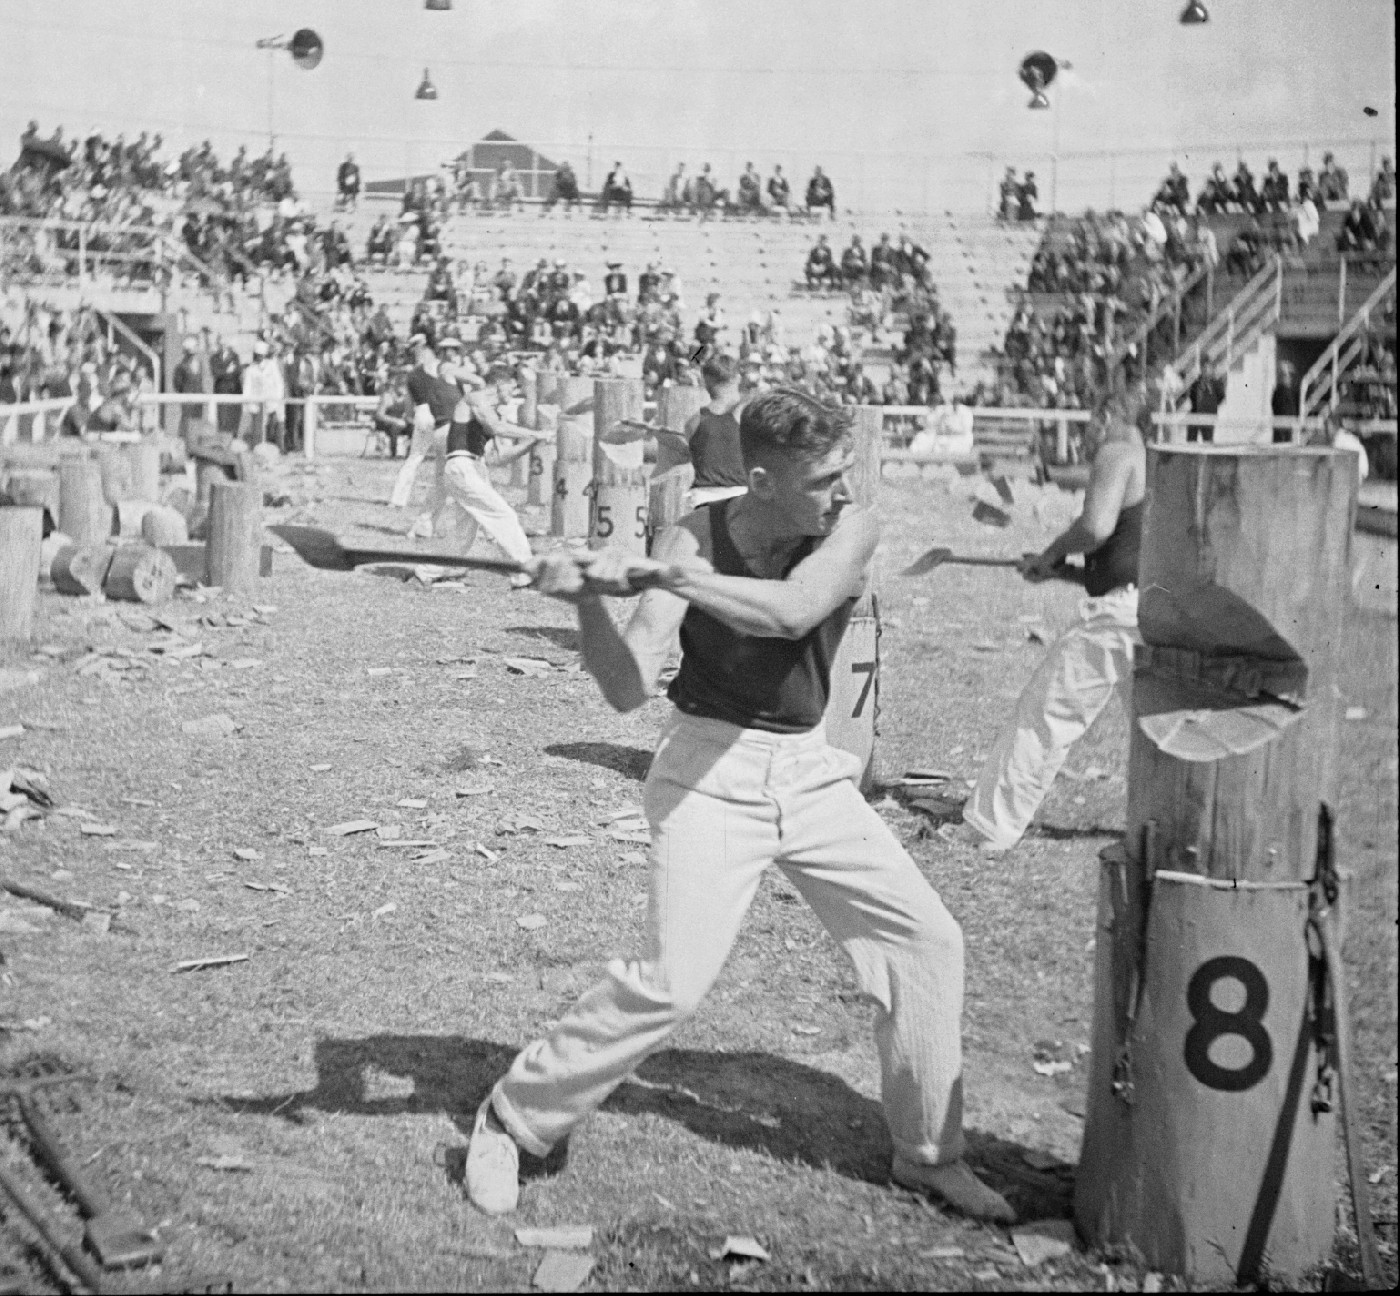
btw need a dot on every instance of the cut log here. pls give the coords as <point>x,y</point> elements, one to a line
<point>541,472</point>
<point>235,536</point>
<point>575,395</point>
<point>616,401</point>
<point>529,396</point>
<point>21,532</point>
<point>83,513</point>
<point>143,464</point>
<point>81,568</point>
<point>140,573</point>
<point>619,514</point>
<point>666,497</point>
<point>164,525</point>
<point>574,439</point>
<point>573,483</point>
<point>52,545</point>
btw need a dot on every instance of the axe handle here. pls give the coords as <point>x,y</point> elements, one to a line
<point>358,556</point>
<point>87,1272</point>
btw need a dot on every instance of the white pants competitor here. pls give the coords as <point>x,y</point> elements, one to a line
<point>422,444</point>
<point>723,804</point>
<point>466,486</point>
<point>1063,698</point>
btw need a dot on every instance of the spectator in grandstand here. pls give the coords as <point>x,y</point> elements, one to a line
<point>1246,253</point>
<point>347,182</point>
<point>441,287</point>
<point>854,265</point>
<point>707,195</point>
<point>649,283</point>
<point>711,323</point>
<point>189,377</point>
<point>673,197</point>
<point>1243,190</point>
<point>393,417</point>
<point>750,192</point>
<point>1306,221</point>
<point>616,191</point>
<point>1331,183</point>
<point>615,282</point>
<point>1008,195</point>
<point>1273,189</point>
<point>507,194</point>
<point>226,377</point>
<point>1217,193</point>
<point>821,193</point>
<point>1284,400</point>
<point>1383,185</point>
<point>265,386</point>
<point>1206,396</point>
<point>780,192</point>
<point>1027,198</point>
<point>1362,231</point>
<point>564,188</point>
<point>1175,191</point>
<point>821,267</point>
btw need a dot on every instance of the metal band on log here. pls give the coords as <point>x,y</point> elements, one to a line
<point>235,537</point>
<point>852,711</point>
<point>83,513</point>
<point>21,532</point>
<point>1208,1144</point>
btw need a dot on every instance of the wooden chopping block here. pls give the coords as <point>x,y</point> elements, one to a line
<point>140,573</point>
<point>81,568</point>
<point>131,515</point>
<point>164,525</point>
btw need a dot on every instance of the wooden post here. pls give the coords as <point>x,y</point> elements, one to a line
<point>115,468</point>
<point>575,395</point>
<point>143,460</point>
<point>666,498</point>
<point>1204,1153</point>
<point>164,525</point>
<point>573,476</point>
<point>310,422</point>
<point>619,513</point>
<point>675,404</point>
<point>235,537</point>
<point>36,486</point>
<point>539,486</point>
<point>852,712</point>
<point>529,396</point>
<point>21,531</point>
<point>83,514</point>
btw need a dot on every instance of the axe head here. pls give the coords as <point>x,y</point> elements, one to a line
<point>935,557</point>
<point>315,546</point>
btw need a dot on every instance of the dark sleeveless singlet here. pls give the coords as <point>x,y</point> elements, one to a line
<point>780,685</point>
<point>714,450</point>
<point>1114,563</point>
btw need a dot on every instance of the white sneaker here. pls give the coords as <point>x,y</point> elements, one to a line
<point>962,833</point>
<point>493,1165</point>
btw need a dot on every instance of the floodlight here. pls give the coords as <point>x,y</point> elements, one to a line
<point>437,6</point>
<point>426,88</point>
<point>1194,14</point>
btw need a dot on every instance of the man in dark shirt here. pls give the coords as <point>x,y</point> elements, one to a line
<point>1207,395</point>
<point>347,180</point>
<point>820,193</point>
<point>187,379</point>
<point>760,589</point>
<point>854,266</point>
<point>226,375</point>
<point>882,262</point>
<point>615,281</point>
<point>434,395</point>
<point>779,191</point>
<point>712,435</point>
<point>821,268</point>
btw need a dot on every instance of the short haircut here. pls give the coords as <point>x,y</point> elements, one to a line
<point>788,421</point>
<point>719,368</point>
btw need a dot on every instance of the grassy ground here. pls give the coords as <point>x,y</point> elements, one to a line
<point>331,1072</point>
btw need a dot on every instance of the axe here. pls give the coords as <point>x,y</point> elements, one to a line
<point>938,555</point>
<point>319,548</point>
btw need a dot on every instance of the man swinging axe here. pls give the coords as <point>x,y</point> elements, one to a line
<point>1083,667</point>
<point>760,587</point>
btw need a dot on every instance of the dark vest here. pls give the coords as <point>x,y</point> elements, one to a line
<point>714,450</point>
<point>780,685</point>
<point>1114,563</point>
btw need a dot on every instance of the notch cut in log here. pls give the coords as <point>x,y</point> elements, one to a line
<point>140,573</point>
<point>80,569</point>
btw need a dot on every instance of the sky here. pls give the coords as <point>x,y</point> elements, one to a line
<point>904,101</point>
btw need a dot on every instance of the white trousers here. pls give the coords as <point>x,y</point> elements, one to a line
<point>421,445</point>
<point>1063,698</point>
<point>466,487</point>
<point>724,803</point>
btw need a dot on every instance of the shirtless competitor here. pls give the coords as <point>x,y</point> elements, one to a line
<point>761,587</point>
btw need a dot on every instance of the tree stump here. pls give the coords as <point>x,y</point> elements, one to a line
<point>235,537</point>
<point>1203,1153</point>
<point>164,525</point>
<point>143,465</point>
<point>130,516</point>
<point>81,568</point>
<point>574,395</point>
<point>573,489</point>
<point>666,498</point>
<point>115,466</point>
<point>34,486</point>
<point>619,513</point>
<point>853,709</point>
<point>83,513</point>
<point>21,532</point>
<point>676,403</point>
<point>140,574</point>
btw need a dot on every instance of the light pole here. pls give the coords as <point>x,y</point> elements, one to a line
<point>1037,71</point>
<point>305,47</point>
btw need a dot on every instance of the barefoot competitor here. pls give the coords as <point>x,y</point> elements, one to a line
<point>761,587</point>
<point>1084,665</point>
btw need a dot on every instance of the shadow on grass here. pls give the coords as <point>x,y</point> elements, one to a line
<point>755,1101</point>
<point>564,638</point>
<point>631,761</point>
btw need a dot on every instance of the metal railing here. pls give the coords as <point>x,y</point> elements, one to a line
<point>1322,382</point>
<point>145,255</point>
<point>1171,306</point>
<point>1250,313</point>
